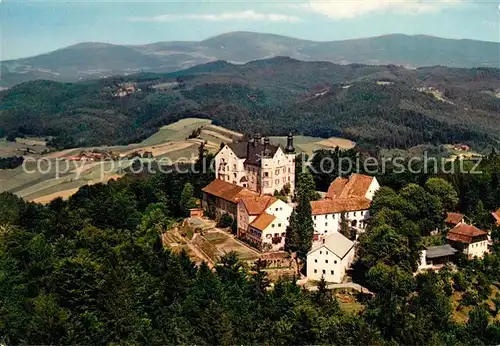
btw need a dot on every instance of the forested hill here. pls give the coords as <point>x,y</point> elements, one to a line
<point>384,106</point>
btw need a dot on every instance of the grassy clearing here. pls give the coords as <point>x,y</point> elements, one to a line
<point>177,131</point>
<point>308,145</point>
<point>224,131</point>
<point>17,148</point>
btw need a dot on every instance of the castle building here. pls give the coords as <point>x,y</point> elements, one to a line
<point>257,165</point>
<point>350,198</point>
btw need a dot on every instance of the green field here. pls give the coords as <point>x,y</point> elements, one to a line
<point>169,142</point>
<point>306,144</point>
<point>175,132</point>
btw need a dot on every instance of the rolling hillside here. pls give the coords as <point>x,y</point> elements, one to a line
<point>91,59</point>
<point>385,106</point>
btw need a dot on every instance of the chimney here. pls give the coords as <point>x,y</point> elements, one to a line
<point>266,145</point>
<point>249,143</point>
<point>258,138</point>
<point>289,144</point>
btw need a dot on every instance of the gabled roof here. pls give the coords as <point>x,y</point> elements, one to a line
<point>454,218</point>
<point>465,233</point>
<point>256,205</point>
<point>229,192</point>
<point>339,205</point>
<point>262,221</point>
<point>255,151</point>
<point>336,187</point>
<point>439,251</point>
<point>336,243</point>
<point>357,185</point>
<point>496,215</point>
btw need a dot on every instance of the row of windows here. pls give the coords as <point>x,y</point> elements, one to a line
<point>277,181</point>
<point>333,215</point>
<point>324,271</point>
<point>268,236</point>
<point>326,261</point>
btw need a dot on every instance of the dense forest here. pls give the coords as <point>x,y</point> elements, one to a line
<point>373,105</point>
<point>92,270</point>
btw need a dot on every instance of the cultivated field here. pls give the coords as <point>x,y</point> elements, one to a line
<point>308,144</point>
<point>226,244</point>
<point>170,144</point>
<point>21,146</point>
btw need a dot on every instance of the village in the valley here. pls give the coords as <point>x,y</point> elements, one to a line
<point>248,208</point>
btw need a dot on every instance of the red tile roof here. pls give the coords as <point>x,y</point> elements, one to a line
<point>356,185</point>
<point>496,215</point>
<point>336,187</point>
<point>465,233</point>
<point>256,205</point>
<point>454,218</point>
<point>229,192</point>
<point>339,205</point>
<point>262,221</point>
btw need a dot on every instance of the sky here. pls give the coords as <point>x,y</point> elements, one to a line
<point>39,26</point>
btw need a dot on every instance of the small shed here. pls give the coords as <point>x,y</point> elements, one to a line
<point>436,256</point>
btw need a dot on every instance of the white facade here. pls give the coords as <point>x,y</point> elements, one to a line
<point>477,249</point>
<point>326,224</point>
<point>276,172</point>
<point>324,262</point>
<point>374,186</point>
<point>269,175</point>
<point>229,167</point>
<point>272,236</point>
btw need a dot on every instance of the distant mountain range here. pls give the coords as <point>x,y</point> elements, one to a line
<point>95,60</point>
<point>375,106</point>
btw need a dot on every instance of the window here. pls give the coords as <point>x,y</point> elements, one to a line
<point>281,208</point>
<point>315,261</point>
<point>362,213</point>
<point>326,224</point>
<point>335,262</point>
<point>326,261</point>
<point>277,181</point>
<point>272,225</point>
<point>333,216</point>
<point>331,272</point>
<point>288,178</point>
<point>234,167</point>
<point>234,175</point>
<point>279,225</point>
<point>354,213</point>
<point>276,234</point>
<point>327,252</point>
<point>266,174</point>
<point>289,171</point>
<point>321,252</point>
<point>324,271</point>
<point>277,172</point>
<point>283,234</point>
<point>314,217</point>
<point>315,270</point>
<point>326,231</point>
